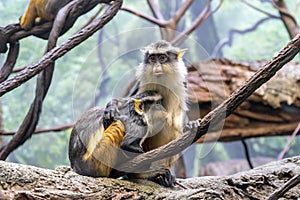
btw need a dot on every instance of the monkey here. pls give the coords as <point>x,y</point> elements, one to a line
<point>94,142</point>
<point>164,72</point>
<point>41,10</point>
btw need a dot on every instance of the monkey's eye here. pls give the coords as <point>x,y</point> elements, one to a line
<point>163,58</point>
<point>152,58</point>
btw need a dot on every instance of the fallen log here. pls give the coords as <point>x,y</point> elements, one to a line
<point>19,181</point>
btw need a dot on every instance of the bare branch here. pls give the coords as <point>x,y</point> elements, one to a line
<point>42,130</point>
<point>289,141</point>
<point>287,18</point>
<point>94,16</point>
<point>146,17</point>
<point>180,12</point>
<point>10,61</point>
<point>155,10</point>
<point>296,8</point>
<point>259,9</point>
<point>197,22</point>
<point>247,153</point>
<point>232,32</point>
<point>18,70</point>
<point>235,134</point>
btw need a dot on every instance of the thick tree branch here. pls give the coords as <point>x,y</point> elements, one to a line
<point>32,70</point>
<point>219,113</point>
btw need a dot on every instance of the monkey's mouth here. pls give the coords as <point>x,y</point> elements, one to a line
<point>158,73</point>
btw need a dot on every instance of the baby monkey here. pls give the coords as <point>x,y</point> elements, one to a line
<point>96,144</point>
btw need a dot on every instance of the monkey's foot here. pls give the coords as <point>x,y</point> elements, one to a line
<point>192,125</point>
<point>164,177</point>
<point>110,112</point>
<point>131,148</point>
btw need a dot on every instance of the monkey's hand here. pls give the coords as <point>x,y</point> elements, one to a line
<point>131,145</point>
<point>192,125</point>
<point>163,177</point>
<point>110,112</point>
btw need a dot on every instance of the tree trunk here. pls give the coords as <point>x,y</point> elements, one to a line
<point>27,182</point>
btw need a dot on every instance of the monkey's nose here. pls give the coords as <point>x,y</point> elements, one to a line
<point>157,70</point>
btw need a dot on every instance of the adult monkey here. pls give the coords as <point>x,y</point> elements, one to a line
<point>164,72</point>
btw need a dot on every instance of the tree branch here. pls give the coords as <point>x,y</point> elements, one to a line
<point>42,130</point>
<point>146,17</point>
<point>232,134</point>
<point>259,9</point>
<point>289,141</point>
<point>288,20</point>
<point>43,83</point>
<point>180,12</point>
<point>14,32</point>
<point>229,40</point>
<point>10,62</point>
<point>155,10</point>
<point>219,113</point>
<point>32,70</point>
<point>197,22</point>
<point>44,79</point>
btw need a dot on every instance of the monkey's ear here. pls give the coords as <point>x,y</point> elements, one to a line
<point>138,106</point>
<point>180,53</point>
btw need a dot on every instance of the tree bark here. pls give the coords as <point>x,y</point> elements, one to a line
<point>273,109</point>
<point>28,182</point>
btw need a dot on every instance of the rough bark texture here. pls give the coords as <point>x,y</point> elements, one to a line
<point>27,182</point>
<point>273,109</point>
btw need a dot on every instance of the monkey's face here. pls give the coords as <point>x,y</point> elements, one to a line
<point>160,63</point>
